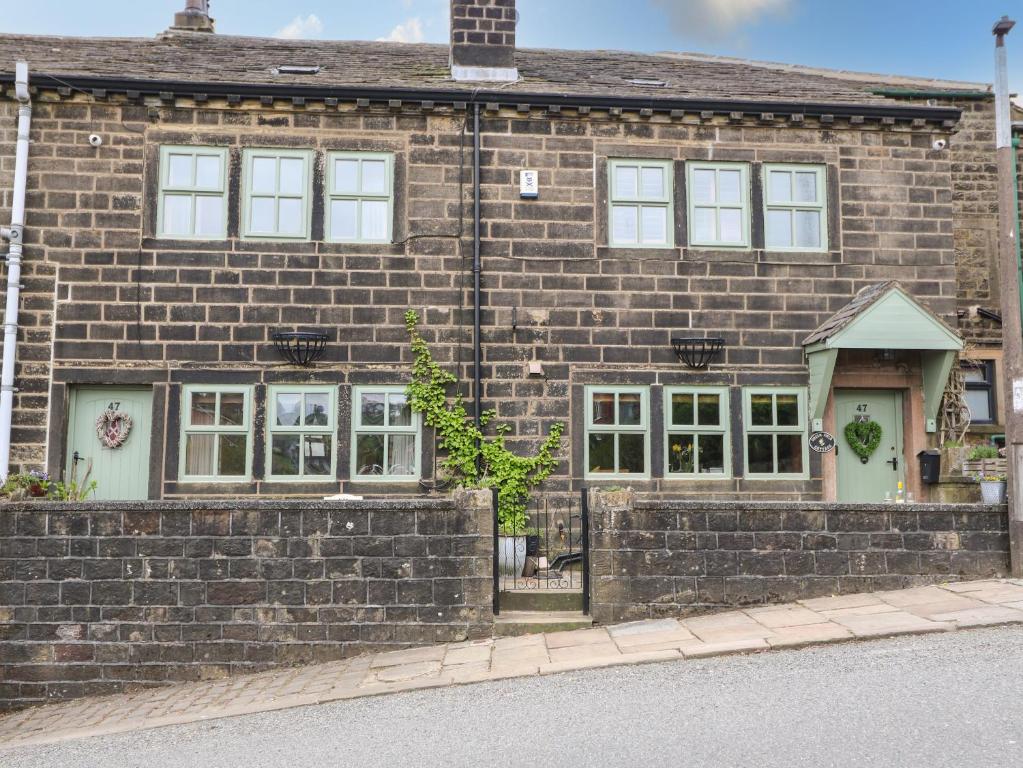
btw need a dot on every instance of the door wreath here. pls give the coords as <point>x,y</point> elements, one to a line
<point>113,427</point>
<point>863,437</point>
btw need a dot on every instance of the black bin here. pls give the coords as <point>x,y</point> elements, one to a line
<point>930,465</point>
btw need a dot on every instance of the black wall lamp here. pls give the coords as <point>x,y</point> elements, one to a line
<point>697,352</point>
<point>300,347</point>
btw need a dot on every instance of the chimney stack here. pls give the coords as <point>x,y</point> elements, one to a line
<point>194,18</point>
<point>483,40</point>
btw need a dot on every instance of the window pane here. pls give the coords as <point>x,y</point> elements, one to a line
<point>709,410</point>
<point>289,216</point>
<point>655,225</point>
<point>979,405</point>
<point>624,224</point>
<point>207,172</point>
<point>632,453</point>
<point>682,408</point>
<point>317,409</point>
<point>261,214</point>
<point>603,408</point>
<point>346,176</point>
<point>374,220</point>
<point>630,408</point>
<point>602,452</point>
<point>284,457</point>
<point>343,219</point>
<point>177,214</point>
<point>372,409</point>
<point>972,373</point>
<point>626,182</point>
<point>399,412</point>
<point>790,454</point>
<point>779,186</point>
<point>731,225</point>
<point>808,229</point>
<point>374,177</point>
<point>806,187</point>
<point>369,455</point>
<point>317,454</point>
<point>401,454</point>
<point>788,410</point>
<point>681,453</point>
<point>760,450</point>
<point>179,170</point>
<point>232,409</point>
<point>704,228</point>
<point>232,455</point>
<point>760,410</point>
<point>292,176</point>
<point>204,406</point>
<point>209,215</point>
<point>711,454</point>
<point>652,180</point>
<point>729,186</point>
<point>289,410</point>
<point>264,175</point>
<point>779,229</point>
<point>703,186</point>
<point>199,454</point>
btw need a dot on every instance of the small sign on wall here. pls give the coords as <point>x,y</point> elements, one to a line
<point>529,184</point>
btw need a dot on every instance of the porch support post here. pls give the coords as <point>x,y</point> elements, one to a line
<point>822,366</point>
<point>937,365</point>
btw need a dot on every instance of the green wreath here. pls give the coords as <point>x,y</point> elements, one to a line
<point>863,437</point>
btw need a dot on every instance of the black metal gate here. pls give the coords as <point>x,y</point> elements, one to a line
<point>547,549</point>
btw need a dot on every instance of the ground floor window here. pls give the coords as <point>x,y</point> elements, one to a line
<point>385,435</point>
<point>301,432</point>
<point>980,391</point>
<point>617,433</point>
<point>696,423</point>
<point>775,425</point>
<point>216,425</point>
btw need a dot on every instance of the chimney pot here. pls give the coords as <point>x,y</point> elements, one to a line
<point>482,46</point>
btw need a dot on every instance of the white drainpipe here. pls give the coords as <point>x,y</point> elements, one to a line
<point>15,235</point>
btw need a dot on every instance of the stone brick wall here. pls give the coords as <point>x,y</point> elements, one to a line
<point>659,558</point>
<point>96,598</point>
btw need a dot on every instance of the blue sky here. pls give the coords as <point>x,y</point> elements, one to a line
<point>936,38</point>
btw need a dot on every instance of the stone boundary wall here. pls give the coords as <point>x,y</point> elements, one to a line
<point>666,558</point>
<point>100,597</point>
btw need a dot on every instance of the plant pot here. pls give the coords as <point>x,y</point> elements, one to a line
<point>511,554</point>
<point>992,492</point>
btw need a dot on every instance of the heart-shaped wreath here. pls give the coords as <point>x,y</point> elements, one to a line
<point>863,437</point>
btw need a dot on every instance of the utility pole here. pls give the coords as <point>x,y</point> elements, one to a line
<point>1009,268</point>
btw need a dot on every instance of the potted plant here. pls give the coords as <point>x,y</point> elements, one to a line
<point>984,459</point>
<point>992,488</point>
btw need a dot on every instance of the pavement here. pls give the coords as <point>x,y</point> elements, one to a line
<point>922,610</point>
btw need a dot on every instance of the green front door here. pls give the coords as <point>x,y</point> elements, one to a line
<point>119,461</point>
<point>869,480</point>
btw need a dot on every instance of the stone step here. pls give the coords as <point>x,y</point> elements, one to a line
<point>541,600</point>
<point>511,623</point>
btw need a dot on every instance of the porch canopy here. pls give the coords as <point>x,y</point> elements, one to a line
<point>882,316</point>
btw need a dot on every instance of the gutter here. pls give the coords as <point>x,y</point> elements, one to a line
<point>15,236</point>
<point>168,89</point>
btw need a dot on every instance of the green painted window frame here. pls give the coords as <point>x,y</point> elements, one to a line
<point>663,201</point>
<point>249,155</point>
<point>743,205</point>
<point>617,429</point>
<point>359,197</point>
<point>749,428</point>
<point>191,190</point>
<point>302,430</point>
<point>186,428</point>
<point>723,428</point>
<point>358,428</point>
<point>820,207</point>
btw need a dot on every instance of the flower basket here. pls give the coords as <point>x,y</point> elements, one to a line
<point>985,467</point>
<point>992,492</point>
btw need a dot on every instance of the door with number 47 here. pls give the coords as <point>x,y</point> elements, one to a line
<point>867,478</point>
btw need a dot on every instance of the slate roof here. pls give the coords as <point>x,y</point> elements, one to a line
<point>223,59</point>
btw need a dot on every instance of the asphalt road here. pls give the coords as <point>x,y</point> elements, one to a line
<point>938,700</point>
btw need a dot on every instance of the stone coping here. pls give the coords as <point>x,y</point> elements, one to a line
<point>825,506</point>
<point>388,504</point>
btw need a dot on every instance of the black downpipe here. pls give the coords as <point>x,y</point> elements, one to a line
<point>477,354</point>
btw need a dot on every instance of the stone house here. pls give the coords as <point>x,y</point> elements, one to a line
<point>192,195</point>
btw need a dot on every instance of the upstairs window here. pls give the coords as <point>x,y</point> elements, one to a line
<point>775,432</point>
<point>641,204</point>
<point>795,215</point>
<point>360,195</point>
<point>216,444</point>
<point>277,194</point>
<point>193,184</point>
<point>617,434</point>
<point>301,426</point>
<point>719,210</point>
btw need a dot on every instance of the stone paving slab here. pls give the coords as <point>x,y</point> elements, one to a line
<point>806,622</point>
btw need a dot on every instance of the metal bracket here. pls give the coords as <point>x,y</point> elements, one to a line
<point>9,388</point>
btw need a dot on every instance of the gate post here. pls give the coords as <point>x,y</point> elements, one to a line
<point>496,571</point>
<point>586,550</point>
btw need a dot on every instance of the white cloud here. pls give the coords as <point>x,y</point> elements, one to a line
<point>716,18</point>
<point>301,28</point>
<point>409,31</point>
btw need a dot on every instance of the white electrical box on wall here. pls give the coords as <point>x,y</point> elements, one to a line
<point>529,184</point>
